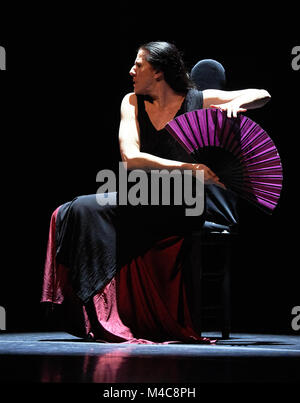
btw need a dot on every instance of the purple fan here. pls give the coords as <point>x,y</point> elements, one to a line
<point>238,150</point>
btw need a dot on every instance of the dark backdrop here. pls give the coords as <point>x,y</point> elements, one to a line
<point>67,72</point>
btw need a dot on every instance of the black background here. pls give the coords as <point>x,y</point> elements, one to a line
<point>67,72</point>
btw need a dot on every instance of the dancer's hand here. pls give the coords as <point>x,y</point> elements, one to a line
<point>210,178</point>
<point>232,108</point>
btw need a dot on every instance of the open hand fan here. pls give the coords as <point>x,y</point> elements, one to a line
<point>238,150</point>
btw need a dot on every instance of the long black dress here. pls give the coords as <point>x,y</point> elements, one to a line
<point>94,241</point>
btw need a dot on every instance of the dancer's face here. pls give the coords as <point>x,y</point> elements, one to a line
<point>143,74</point>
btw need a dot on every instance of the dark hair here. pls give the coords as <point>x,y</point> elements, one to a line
<point>165,57</point>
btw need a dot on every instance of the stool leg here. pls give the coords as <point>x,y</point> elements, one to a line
<point>226,296</point>
<point>196,262</point>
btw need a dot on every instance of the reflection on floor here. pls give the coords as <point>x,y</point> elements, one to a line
<point>59,357</point>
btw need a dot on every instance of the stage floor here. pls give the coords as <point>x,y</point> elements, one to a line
<point>58,357</point>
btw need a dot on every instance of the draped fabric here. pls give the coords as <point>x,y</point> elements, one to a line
<point>146,302</point>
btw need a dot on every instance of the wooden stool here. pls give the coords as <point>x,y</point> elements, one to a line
<point>211,252</point>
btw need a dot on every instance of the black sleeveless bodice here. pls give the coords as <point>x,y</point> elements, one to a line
<point>160,142</point>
